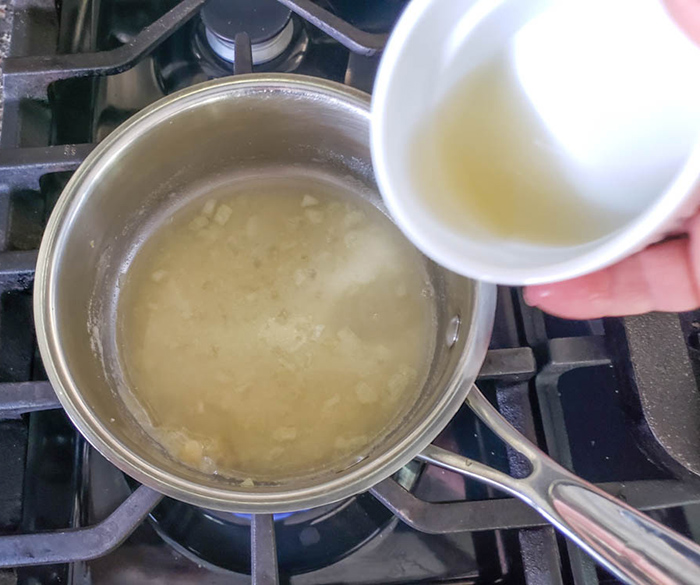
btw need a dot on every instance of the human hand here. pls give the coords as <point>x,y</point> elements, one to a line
<point>664,277</point>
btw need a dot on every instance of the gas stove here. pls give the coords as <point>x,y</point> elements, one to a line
<point>616,400</point>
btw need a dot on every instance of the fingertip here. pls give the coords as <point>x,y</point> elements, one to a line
<point>686,14</point>
<point>533,295</point>
<point>660,278</point>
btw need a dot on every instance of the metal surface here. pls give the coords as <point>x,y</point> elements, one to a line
<point>671,416</point>
<point>361,71</point>
<point>509,513</point>
<point>80,544</point>
<point>359,42</point>
<point>514,364</point>
<point>30,76</point>
<point>305,541</point>
<point>131,176</point>
<point>261,53</point>
<point>629,544</point>
<point>244,56</point>
<point>23,397</point>
<point>5,29</point>
<point>17,269</point>
<point>563,356</point>
<point>21,168</point>
<point>261,20</point>
<point>263,550</point>
<point>539,548</point>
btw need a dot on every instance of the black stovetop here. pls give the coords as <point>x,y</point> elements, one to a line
<point>616,401</point>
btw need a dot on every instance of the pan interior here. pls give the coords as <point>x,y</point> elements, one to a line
<point>273,327</point>
<point>228,132</point>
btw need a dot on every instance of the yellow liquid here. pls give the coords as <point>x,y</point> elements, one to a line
<point>274,330</point>
<point>487,165</point>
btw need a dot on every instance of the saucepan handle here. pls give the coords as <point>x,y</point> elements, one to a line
<point>631,545</point>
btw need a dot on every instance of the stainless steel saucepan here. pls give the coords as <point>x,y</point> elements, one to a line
<point>282,125</point>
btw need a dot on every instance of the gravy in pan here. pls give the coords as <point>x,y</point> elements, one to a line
<point>271,332</point>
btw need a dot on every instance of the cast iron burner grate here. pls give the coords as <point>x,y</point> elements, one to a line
<point>615,401</point>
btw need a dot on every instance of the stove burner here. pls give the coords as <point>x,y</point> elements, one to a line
<point>248,517</point>
<point>306,540</point>
<point>262,52</point>
<point>267,22</point>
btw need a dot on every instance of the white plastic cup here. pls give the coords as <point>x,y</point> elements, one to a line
<point>626,96</point>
